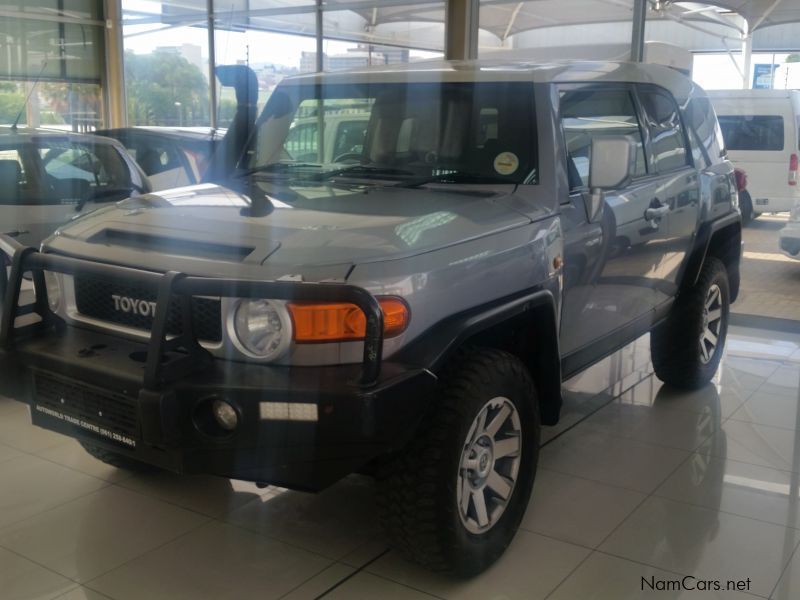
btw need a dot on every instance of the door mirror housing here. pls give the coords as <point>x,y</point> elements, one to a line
<point>611,167</point>
<point>612,162</point>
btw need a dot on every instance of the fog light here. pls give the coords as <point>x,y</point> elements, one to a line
<point>225,415</point>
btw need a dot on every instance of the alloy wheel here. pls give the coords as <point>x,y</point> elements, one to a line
<point>489,465</point>
<point>712,324</point>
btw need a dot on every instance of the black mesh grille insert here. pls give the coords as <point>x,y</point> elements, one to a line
<point>96,298</point>
<point>113,412</point>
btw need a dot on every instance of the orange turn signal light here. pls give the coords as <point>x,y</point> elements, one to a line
<point>342,321</point>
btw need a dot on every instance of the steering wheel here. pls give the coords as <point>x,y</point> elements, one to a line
<point>352,157</point>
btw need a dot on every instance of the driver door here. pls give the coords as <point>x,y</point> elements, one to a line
<point>611,266</point>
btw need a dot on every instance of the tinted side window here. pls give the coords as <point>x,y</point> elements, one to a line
<point>350,138</point>
<point>752,132</point>
<point>153,157</point>
<point>704,130</point>
<point>586,114</point>
<point>667,140</point>
<point>12,176</point>
<point>301,142</point>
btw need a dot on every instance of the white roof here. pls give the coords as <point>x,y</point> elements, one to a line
<point>506,70</point>
<point>503,18</point>
<point>386,22</point>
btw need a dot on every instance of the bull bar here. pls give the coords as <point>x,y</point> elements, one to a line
<point>191,356</point>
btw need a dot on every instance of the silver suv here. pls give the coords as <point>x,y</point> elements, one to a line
<point>408,308</point>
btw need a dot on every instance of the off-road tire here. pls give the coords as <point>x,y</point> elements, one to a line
<point>417,490</point>
<point>675,344</point>
<point>746,206</point>
<point>117,460</point>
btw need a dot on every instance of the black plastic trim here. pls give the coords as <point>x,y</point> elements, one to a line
<point>584,357</point>
<point>438,343</point>
<point>27,259</point>
<point>702,243</point>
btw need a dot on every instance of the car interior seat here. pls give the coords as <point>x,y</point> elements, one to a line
<point>149,160</point>
<point>10,175</point>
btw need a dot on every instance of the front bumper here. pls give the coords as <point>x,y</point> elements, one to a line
<point>341,427</point>
<point>300,427</point>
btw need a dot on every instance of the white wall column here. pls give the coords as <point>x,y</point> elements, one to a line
<point>114,83</point>
<point>212,64</point>
<point>747,55</point>
<point>320,39</point>
<point>461,29</point>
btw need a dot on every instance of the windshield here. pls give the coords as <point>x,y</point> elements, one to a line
<point>474,132</point>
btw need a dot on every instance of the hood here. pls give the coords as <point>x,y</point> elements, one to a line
<point>319,226</point>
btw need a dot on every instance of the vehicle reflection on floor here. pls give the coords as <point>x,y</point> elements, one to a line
<point>638,485</point>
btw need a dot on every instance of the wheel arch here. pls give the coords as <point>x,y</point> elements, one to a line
<point>721,239</point>
<point>526,326</point>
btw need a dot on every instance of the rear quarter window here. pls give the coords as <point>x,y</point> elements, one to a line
<point>667,140</point>
<point>705,134</point>
<point>752,132</point>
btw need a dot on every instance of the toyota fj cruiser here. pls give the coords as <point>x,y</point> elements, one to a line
<point>409,309</point>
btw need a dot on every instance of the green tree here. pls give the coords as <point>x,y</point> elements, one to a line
<point>227,110</point>
<point>793,58</point>
<point>11,102</point>
<point>156,82</point>
<point>74,103</point>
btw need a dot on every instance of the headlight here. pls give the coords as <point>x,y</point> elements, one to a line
<point>53,290</point>
<point>262,328</point>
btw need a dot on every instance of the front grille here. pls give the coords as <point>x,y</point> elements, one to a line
<point>88,406</point>
<point>95,298</point>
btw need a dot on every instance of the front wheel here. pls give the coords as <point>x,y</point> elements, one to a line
<point>687,347</point>
<point>453,500</point>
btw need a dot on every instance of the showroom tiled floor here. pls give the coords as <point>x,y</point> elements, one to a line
<point>638,481</point>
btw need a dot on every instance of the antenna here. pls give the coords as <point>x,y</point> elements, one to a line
<point>25,104</point>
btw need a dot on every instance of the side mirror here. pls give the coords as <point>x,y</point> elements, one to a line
<point>612,164</point>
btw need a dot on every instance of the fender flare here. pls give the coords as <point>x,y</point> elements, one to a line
<point>705,235</point>
<point>440,342</point>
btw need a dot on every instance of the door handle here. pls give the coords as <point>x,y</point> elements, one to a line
<point>656,213</point>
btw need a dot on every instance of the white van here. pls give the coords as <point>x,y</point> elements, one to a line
<point>760,128</point>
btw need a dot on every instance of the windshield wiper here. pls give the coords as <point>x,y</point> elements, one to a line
<point>453,177</point>
<point>276,168</point>
<point>363,170</point>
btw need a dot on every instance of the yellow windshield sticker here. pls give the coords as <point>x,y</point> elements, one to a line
<point>506,163</point>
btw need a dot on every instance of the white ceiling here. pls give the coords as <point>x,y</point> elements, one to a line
<point>399,21</point>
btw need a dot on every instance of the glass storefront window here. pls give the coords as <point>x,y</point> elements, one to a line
<point>61,46</point>
<point>166,63</point>
<point>55,105</point>
<point>278,39</point>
